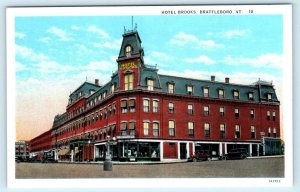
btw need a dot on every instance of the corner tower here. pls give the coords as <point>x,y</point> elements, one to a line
<point>130,60</point>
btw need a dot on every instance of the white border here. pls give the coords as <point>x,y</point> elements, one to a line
<point>285,10</point>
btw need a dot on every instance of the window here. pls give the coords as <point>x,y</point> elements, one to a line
<point>222,130</point>
<point>268,115</point>
<point>131,105</point>
<point>155,129</point>
<point>206,129</point>
<point>274,115</point>
<point>171,107</point>
<point>146,104</point>
<point>221,93</point>
<point>250,96</point>
<point>190,109</point>
<point>123,106</point>
<point>155,106</point>
<point>128,82</point>
<point>274,132</point>
<point>237,131</point>
<point>252,113</point>
<point>128,50</point>
<point>146,128</point>
<point>269,96</point>
<point>206,92</point>
<point>132,128</point>
<point>252,132</point>
<point>206,110</point>
<point>190,90</point>
<point>112,88</point>
<point>150,84</point>
<point>171,128</point>
<point>269,132</point>
<point>222,111</point>
<point>236,112</point>
<point>113,109</point>
<point>236,94</point>
<point>104,95</point>
<point>191,128</point>
<point>171,88</point>
<point>123,128</point>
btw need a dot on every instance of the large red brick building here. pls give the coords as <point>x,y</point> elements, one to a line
<point>149,116</point>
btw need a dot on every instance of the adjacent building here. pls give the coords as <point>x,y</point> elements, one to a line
<point>145,115</point>
<point>21,150</point>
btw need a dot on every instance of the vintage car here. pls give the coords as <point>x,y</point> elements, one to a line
<point>201,155</point>
<point>239,153</point>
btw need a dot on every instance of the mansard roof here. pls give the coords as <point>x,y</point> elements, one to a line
<point>131,38</point>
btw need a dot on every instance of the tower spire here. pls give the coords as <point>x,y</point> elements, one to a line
<point>132,23</point>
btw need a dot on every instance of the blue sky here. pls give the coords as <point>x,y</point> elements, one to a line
<point>54,55</point>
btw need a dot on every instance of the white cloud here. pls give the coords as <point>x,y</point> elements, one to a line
<point>201,59</point>
<point>45,39</point>
<point>100,66</point>
<point>29,54</point>
<point>53,67</point>
<point>265,60</point>
<point>60,33</point>
<point>95,29</point>
<point>112,44</point>
<point>161,56</point>
<point>20,66</point>
<point>235,33</point>
<point>182,39</point>
<point>75,27</point>
<point>20,35</point>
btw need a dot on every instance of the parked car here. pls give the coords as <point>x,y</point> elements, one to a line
<point>239,153</point>
<point>202,155</point>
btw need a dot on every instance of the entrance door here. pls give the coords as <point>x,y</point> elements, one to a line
<point>183,151</point>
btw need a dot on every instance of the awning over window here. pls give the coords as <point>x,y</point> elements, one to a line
<point>131,103</point>
<point>123,103</point>
<point>123,126</point>
<point>64,151</point>
<point>132,125</point>
<point>113,127</point>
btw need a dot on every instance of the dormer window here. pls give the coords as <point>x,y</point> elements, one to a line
<point>205,91</point>
<point>112,88</point>
<point>128,50</point>
<point>221,93</point>
<point>150,84</point>
<point>250,96</point>
<point>269,96</point>
<point>190,89</point>
<point>171,87</point>
<point>236,94</point>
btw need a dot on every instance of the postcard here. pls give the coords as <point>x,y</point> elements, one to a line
<point>182,96</point>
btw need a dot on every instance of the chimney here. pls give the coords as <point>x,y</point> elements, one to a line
<point>212,78</point>
<point>96,81</point>
<point>226,79</point>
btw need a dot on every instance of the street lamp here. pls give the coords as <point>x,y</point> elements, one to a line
<point>107,165</point>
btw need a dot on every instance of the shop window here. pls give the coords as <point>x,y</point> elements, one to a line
<point>171,107</point>
<point>128,81</point>
<point>190,109</point>
<point>171,87</point>
<point>146,104</point>
<point>237,132</point>
<point>252,132</point>
<point>268,115</point>
<point>222,111</point>
<point>222,130</point>
<point>146,128</point>
<point>236,94</point>
<point>123,127</point>
<point>221,93</point>
<point>171,128</point>
<point>131,105</point>
<point>191,128</point>
<point>252,113</point>
<point>236,112</point>
<point>274,115</point>
<point>155,129</point>
<point>206,110</point>
<point>123,106</point>
<point>155,105</point>
<point>132,128</point>
<point>150,84</point>
<point>250,96</point>
<point>189,90</point>
<point>206,129</point>
<point>205,92</point>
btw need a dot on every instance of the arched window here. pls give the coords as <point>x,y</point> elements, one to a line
<point>128,50</point>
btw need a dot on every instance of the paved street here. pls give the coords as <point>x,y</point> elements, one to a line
<point>264,167</point>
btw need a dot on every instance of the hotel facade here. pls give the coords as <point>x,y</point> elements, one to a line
<point>147,116</point>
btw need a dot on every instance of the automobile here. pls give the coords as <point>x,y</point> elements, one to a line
<point>239,153</point>
<point>201,155</point>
